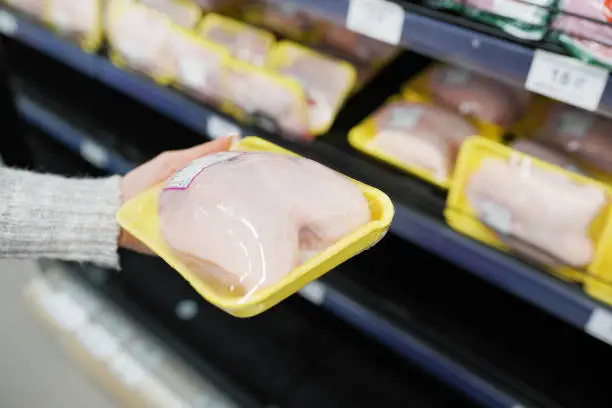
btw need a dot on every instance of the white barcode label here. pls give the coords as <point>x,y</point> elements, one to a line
<point>182,179</point>
<point>566,79</point>
<point>378,19</point>
<point>94,153</point>
<point>98,342</point>
<point>600,325</point>
<point>497,217</point>
<point>574,123</point>
<point>8,23</point>
<point>405,117</point>
<point>457,76</point>
<point>314,292</point>
<point>193,72</point>
<point>217,127</point>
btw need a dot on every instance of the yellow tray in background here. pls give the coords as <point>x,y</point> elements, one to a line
<point>139,217</point>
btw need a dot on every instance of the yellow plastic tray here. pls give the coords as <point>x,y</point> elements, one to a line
<point>462,217</point>
<point>139,218</point>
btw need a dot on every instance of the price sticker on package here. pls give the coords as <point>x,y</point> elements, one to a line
<point>566,79</point>
<point>378,19</point>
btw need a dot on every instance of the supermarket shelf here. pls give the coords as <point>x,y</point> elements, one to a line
<point>453,40</point>
<point>527,282</point>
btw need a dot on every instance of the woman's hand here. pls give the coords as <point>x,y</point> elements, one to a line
<point>158,170</point>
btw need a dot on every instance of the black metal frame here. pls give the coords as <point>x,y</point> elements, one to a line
<point>13,146</point>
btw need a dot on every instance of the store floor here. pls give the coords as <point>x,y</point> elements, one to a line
<point>34,372</point>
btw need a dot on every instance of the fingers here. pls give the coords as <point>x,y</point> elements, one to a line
<point>218,145</point>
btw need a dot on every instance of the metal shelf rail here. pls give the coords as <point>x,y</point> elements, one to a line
<point>562,300</point>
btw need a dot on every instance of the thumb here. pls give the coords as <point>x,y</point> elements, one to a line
<point>215,146</point>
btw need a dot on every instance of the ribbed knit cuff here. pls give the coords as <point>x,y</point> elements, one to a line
<point>48,216</point>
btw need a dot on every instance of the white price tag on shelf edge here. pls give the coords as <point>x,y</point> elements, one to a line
<point>566,79</point>
<point>8,23</point>
<point>378,19</point>
<point>600,325</point>
<point>314,292</point>
<point>94,153</point>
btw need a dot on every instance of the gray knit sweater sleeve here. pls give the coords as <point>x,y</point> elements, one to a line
<point>48,216</point>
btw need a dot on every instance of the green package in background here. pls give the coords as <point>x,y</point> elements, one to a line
<point>519,19</point>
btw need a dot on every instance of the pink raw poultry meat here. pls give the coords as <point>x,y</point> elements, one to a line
<point>536,211</point>
<point>75,18</point>
<point>421,135</point>
<point>247,220</point>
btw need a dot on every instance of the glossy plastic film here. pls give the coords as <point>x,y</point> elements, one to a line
<point>521,204</point>
<point>184,13</point>
<point>416,136</point>
<point>356,221</point>
<point>495,107</point>
<point>326,81</point>
<point>33,8</point>
<point>284,18</point>
<point>200,66</point>
<point>244,42</point>
<point>80,20</point>
<point>140,38</point>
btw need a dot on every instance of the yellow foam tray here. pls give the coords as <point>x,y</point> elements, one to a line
<point>139,217</point>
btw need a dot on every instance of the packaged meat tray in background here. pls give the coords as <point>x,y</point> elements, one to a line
<point>261,95</point>
<point>200,67</point>
<point>326,81</point>
<point>585,32</point>
<point>78,20</point>
<point>33,8</point>
<point>414,135</point>
<point>140,39</point>
<point>583,135</point>
<point>524,19</point>
<point>184,13</point>
<point>495,106</point>
<point>521,204</point>
<point>249,227</point>
<point>244,42</point>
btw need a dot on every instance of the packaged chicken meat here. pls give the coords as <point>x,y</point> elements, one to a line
<point>200,66</point>
<point>519,203</point>
<point>80,20</point>
<point>247,228</point>
<point>140,38</point>
<point>416,136</point>
<point>494,105</point>
<point>327,81</point>
<point>581,134</point>
<point>525,19</point>
<point>33,8</point>
<point>582,26</point>
<point>244,42</point>
<point>184,13</point>
<point>274,102</point>
<point>548,154</point>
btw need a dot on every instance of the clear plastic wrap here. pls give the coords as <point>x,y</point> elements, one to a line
<point>184,13</point>
<point>247,228</point>
<point>141,38</point>
<point>473,95</point>
<point>33,8</point>
<point>584,135</point>
<point>521,204</point>
<point>244,42</point>
<point>326,81</point>
<point>284,18</point>
<point>586,32</point>
<point>416,136</point>
<point>200,67</point>
<point>547,154</point>
<point>80,20</point>
<point>275,102</point>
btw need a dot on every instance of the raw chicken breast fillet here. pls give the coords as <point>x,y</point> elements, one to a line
<point>246,220</point>
<point>536,210</point>
<point>421,135</point>
<point>478,96</point>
